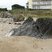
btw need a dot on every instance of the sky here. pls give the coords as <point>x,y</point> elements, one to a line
<point>8,3</point>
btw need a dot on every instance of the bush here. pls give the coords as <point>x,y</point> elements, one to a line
<point>29,19</point>
<point>16,6</point>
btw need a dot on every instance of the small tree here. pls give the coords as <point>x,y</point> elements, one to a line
<point>16,6</point>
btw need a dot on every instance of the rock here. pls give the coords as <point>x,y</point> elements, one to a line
<point>26,29</point>
<point>5,15</point>
<point>44,26</point>
<point>41,28</point>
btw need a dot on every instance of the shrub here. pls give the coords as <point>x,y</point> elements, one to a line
<point>3,9</point>
<point>16,6</point>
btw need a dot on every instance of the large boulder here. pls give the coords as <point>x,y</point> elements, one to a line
<point>41,28</point>
<point>44,26</point>
<point>26,29</point>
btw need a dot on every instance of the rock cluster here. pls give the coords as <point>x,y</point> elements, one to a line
<point>41,28</point>
<point>26,29</point>
<point>6,17</point>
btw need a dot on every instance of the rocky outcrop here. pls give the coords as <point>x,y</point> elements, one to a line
<point>44,25</point>
<point>6,17</point>
<point>26,29</point>
<point>41,28</point>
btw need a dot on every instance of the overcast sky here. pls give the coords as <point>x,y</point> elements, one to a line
<point>8,3</point>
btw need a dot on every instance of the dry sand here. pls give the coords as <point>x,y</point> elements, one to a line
<point>25,44</point>
<point>6,27</point>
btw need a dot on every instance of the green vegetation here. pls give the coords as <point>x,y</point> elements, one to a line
<point>3,9</point>
<point>18,10</point>
<point>32,13</point>
<point>16,6</point>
